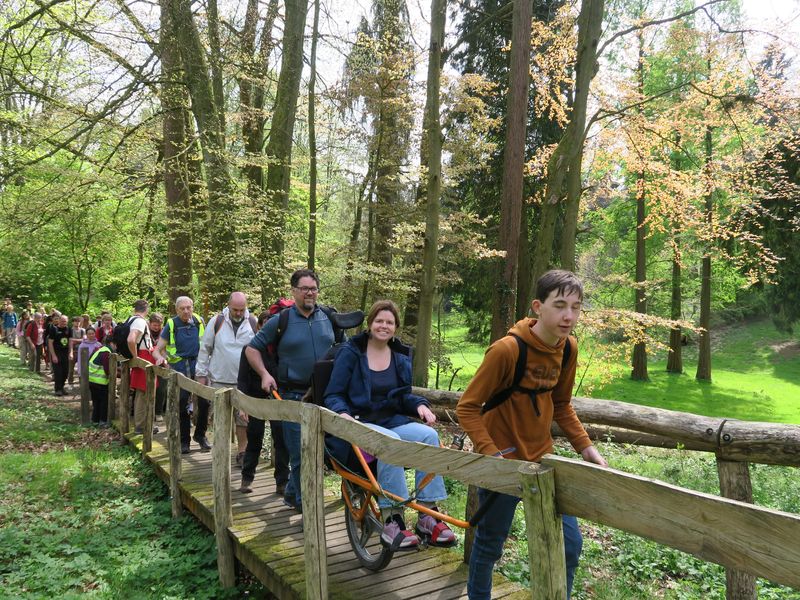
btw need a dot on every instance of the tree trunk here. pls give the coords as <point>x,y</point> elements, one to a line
<point>675,358</point>
<point>221,276</point>
<point>704,345</point>
<point>505,301</point>
<point>174,102</point>
<point>570,231</point>
<point>524,291</point>
<point>639,372</point>
<point>590,23</point>
<point>433,129</point>
<point>279,149</point>
<point>312,143</point>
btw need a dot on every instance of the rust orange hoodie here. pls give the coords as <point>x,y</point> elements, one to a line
<point>515,424</point>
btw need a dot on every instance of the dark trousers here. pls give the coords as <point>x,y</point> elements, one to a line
<point>161,395</point>
<point>60,372</point>
<point>187,367</point>
<point>36,358</point>
<point>255,442</point>
<point>99,394</point>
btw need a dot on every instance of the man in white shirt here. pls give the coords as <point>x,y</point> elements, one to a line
<point>220,352</point>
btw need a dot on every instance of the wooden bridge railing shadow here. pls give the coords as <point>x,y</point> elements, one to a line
<point>742,537</point>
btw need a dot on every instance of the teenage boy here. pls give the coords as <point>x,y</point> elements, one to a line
<point>519,427</point>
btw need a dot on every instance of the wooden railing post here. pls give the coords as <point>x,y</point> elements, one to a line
<point>112,387</point>
<point>149,409</point>
<point>734,483</point>
<point>312,438</point>
<point>83,358</point>
<point>221,477</point>
<point>545,534</point>
<point>174,443</point>
<point>124,401</point>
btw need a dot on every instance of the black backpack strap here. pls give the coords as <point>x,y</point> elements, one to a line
<point>283,321</point>
<point>519,373</point>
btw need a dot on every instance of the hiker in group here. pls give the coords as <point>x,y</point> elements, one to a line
<point>77,334</point>
<point>220,350</point>
<point>104,326</point>
<point>87,346</point>
<point>58,343</point>
<point>86,322</point>
<point>34,334</point>
<point>98,381</point>
<point>22,341</point>
<point>156,324</point>
<point>178,348</point>
<point>139,345</point>
<point>371,382</point>
<point>10,320</point>
<point>523,384</point>
<point>49,321</point>
<point>299,336</point>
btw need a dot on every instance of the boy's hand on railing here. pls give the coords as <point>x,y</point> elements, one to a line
<point>591,455</point>
<point>346,416</point>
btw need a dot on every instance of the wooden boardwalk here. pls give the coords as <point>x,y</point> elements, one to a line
<point>268,541</point>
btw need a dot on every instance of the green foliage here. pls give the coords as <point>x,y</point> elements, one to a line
<point>88,520</point>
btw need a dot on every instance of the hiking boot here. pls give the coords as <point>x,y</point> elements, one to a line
<point>246,486</point>
<point>185,448</point>
<point>280,489</point>
<point>396,535</point>
<point>203,443</point>
<point>240,459</point>
<point>434,531</point>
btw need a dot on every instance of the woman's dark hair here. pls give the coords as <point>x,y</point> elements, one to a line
<point>263,317</point>
<point>88,329</point>
<point>382,305</point>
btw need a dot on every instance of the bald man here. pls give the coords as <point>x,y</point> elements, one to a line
<point>220,351</point>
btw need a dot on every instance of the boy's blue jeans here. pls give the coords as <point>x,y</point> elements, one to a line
<point>491,534</point>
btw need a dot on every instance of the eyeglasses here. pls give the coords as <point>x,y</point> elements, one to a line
<point>308,290</point>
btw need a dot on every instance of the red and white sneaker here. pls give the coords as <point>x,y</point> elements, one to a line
<point>435,531</point>
<point>397,536</point>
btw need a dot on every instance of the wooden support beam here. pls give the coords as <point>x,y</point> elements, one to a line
<point>83,358</point>
<point>149,409</point>
<point>734,483</point>
<point>112,387</point>
<point>311,482</point>
<point>174,443</point>
<point>124,400</point>
<point>221,479</point>
<point>545,533</point>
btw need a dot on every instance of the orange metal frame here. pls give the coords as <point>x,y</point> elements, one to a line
<point>371,486</point>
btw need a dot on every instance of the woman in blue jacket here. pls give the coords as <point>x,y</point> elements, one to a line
<point>371,383</point>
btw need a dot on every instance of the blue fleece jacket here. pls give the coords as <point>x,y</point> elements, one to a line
<point>349,390</point>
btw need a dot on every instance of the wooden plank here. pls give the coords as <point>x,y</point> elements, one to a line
<point>112,387</point>
<point>221,475</point>
<point>499,474</point>
<point>174,444</point>
<point>312,482</point>
<point>195,388</point>
<point>267,409</point>
<point>83,358</point>
<point>544,532</point>
<point>734,483</point>
<point>753,539</point>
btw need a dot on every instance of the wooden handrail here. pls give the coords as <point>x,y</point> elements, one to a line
<point>738,535</point>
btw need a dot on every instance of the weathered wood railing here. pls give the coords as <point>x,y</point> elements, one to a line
<point>754,540</point>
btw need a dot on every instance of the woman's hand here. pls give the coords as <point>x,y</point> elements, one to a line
<point>426,414</point>
<point>346,416</point>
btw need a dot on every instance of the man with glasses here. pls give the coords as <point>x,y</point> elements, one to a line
<point>308,336</point>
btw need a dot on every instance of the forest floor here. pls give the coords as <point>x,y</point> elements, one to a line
<point>755,374</point>
<point>82,515</point>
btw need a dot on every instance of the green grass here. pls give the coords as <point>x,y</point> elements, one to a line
<point>83,516</point>
<point>755,374</point>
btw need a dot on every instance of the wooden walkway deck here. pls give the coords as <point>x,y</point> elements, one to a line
<point>268,541</point>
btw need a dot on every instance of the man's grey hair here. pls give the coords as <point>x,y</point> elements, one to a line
<point>182,299</point>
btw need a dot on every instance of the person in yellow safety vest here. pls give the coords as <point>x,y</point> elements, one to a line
<point>98,383</point>
<point>178,347</point>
